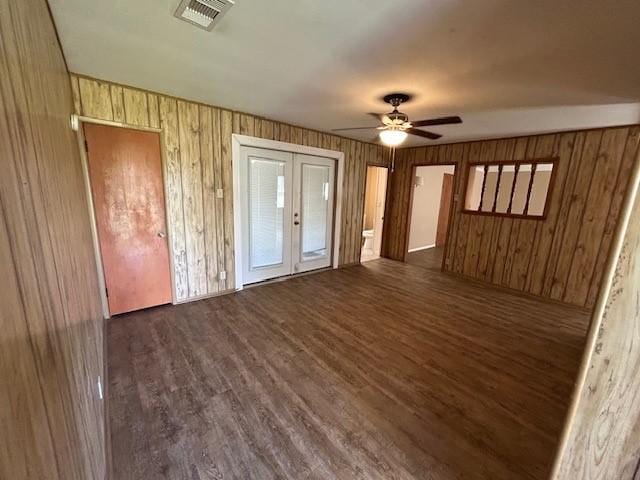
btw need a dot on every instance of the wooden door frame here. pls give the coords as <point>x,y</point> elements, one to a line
<point>238,141</point>
<point>386,204</point>
<point>84,159</point>
<point>451,210</point>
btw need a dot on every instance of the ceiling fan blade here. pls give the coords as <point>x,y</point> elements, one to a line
<point>422,133</point>
<point>354,128</point>
<point>437,121</point>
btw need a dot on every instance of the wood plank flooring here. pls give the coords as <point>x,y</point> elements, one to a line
<point>383,371</point>
<point>429,258</point>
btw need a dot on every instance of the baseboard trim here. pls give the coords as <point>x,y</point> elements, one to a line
<point>206,295</point>
<point>421,248</point>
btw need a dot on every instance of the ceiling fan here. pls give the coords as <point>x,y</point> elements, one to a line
<point>396,125</point>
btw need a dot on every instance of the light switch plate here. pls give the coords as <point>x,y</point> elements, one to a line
<point>222,275</point>
<point>220,193</point>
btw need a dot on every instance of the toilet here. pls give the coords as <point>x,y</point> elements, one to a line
<point>367,242</point>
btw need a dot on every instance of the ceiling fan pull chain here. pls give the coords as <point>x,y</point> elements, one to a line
<point>392,154</point>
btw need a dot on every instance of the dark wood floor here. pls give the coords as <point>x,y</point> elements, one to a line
<point>428,258</point>
<point>384,371</point>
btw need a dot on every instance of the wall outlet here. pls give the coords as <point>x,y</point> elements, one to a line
<point>99,385</point>
<point>222,275</point>
<point>220,193</point>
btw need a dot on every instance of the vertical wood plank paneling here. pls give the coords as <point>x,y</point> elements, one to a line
<point>351,205</point>
<point>191,170</point>
<point>360,178</point>
<point>284,133</point>
<point>337,145</point>
<point>311,138</point>
<point>117,103</point>
<point>574,216</point>
<point>95,98</point>
<point>247,124</point>
<point>346,209</point>
<point>530,230</point>
<point>526,233</point>
<point>471,242</point>
<point>627,163</point>
<point>226,126</point>
<point>502,226</point>
<point>457,151</point>
<point>535,256</point>
<point>75,91</point>
<point>463,223</point>
<point>547,146</point>
<point>405,172</point>
<point>136,110</point>
<point>511,244</point>
<point>538,265</point>
<point>154,114</point>
<point>209,197</point>
<point>173,179</point>
<point>51,420</point>
<point>595,215</point>
<point>297,135</point>
<point>485,250</point>
<point>219,201</point>
<point>267,129</point>
<point>566,196</point>
<point>602,431</point>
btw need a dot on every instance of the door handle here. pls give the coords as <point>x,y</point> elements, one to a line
<point>296,222</point>
<point>162,234</point>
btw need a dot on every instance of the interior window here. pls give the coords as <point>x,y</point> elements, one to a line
<point>509,188</point>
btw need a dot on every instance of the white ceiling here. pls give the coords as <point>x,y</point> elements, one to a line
<point>506,66</point>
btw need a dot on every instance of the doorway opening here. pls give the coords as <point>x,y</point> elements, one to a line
<point>431,201</point>
<point>373,213</point>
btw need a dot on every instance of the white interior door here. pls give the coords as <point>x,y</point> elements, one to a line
<point>267,179</point>
<point>313,197</point>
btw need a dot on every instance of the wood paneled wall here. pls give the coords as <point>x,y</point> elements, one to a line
<point>197,145</point>
<point>561,257</point>
<point>51,342</point>
<point>602,434</point>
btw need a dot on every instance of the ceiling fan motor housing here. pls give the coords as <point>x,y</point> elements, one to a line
<point>395,99</point>
<point>397,118</point>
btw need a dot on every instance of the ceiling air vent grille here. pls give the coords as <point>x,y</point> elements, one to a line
<point>203,13</point>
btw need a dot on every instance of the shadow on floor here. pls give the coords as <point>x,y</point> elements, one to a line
<point>430,258</point>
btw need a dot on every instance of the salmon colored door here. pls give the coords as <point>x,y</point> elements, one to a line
<point>125,169</point>
<point>445,208</point>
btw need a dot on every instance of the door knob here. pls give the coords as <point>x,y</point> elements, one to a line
<point>162,234</point>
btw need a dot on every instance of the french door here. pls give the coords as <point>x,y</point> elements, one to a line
<point>287,213</point>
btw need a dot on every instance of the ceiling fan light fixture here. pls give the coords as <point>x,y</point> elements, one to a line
<point>392,138</point>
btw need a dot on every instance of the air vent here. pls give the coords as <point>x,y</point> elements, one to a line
<point>203,13</point>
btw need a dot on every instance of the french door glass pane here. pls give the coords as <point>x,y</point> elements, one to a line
<point>266,212</point>
<point>315,210</point>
